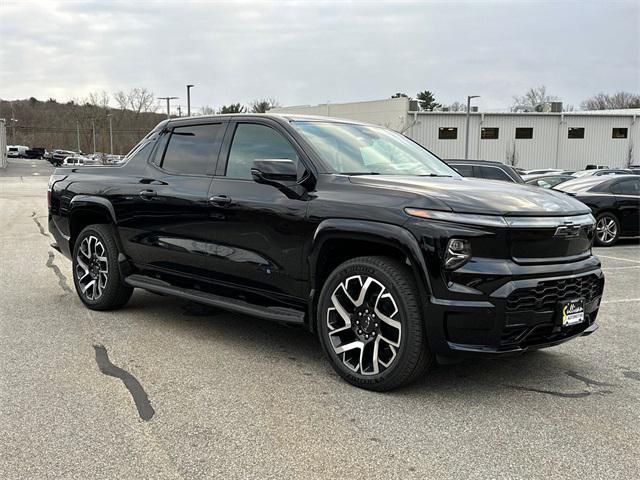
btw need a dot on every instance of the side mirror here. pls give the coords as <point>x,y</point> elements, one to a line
<point>275,171</point>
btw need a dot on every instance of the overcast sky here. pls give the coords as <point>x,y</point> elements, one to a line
<point>317,51</point>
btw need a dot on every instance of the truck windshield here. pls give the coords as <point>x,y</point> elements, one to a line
<point>362,149</point>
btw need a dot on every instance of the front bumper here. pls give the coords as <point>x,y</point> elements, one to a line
<point>521,314</point>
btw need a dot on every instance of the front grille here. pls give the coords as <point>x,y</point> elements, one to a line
<point>547,294</point>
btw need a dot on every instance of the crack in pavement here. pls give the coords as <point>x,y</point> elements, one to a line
<point>551,392</point>
<point>587,381</point>
<point>140,398</point>
<point>632,375</point>
<point>40,227</point>
<point>62,280</point>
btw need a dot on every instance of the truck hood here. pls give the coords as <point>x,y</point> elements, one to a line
<point>489,197</point>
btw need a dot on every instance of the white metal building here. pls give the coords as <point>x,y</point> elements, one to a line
<point>568,140</point>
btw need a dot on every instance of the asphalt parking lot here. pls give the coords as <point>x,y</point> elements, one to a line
<point>220,395</point>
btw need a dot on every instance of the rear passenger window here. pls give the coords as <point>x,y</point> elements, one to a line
<point>627,187</point>
<point>493,173</point>
<point>464,170</point>
<point>192,149</point>
<point>256,142</point>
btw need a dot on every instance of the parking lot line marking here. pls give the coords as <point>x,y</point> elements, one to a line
<point>618,258</point>
<point>621,268</point>
<point>622,300</point>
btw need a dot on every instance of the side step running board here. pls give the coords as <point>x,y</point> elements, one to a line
<point>279,314</point>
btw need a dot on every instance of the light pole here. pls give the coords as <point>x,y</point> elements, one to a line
<point>189,100</point>
<point>110,116</point>
<point>168,99</point>
<point>466,132</point>
<point>93,132</point>
<point>12,124</point>
<point>78,134</point>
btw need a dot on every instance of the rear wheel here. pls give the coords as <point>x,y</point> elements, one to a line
<point>607,229</point>
<point>370,324</point>
<point>96,274</point>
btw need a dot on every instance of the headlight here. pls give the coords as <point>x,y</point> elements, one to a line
<point>458,253</point>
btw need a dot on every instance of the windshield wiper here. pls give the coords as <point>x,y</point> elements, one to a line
<point>433,175</point>
<point>360,173</point>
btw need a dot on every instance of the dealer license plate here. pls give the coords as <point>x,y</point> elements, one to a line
<point>572,312</point>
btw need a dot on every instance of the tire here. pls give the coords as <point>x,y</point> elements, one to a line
<point>607,229</point>
<point>351,323</point>
<point>95,259</point>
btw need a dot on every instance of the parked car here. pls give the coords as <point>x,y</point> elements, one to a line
<point>79,160</point>
<point>635,169</point>
<point>16,151</point>
<point>547,181</point>
<point>352,230</point>
<point>58,156</point>
<point>544,171</point>
<point>485,169</point>
<point>73,160</point>
<point>614,201</point>
<point>599,172</point>
<point>36,153</point>
<point>592,167</point>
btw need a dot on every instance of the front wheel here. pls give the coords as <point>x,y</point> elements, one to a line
<point>370,324</point>
<point>96,274</point>
<point>607,229</point>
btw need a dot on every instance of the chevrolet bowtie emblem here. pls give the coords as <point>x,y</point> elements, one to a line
<point>567,230</point>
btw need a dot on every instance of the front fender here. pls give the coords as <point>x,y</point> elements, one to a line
<point>387,234</point>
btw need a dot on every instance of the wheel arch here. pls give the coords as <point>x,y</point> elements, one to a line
<point>338,240</point>
<point>87,210</point>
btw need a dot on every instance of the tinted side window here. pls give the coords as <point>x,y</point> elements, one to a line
<point>141,154</point>
<point>253,142</point>
<point>464,170</point>
<point>627,187</point>
<point>494,173</point>
<point>193,148</point>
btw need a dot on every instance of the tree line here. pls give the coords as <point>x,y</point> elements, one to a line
<point>535,99</point>
<point>74,124</point>
<point>52,124</point>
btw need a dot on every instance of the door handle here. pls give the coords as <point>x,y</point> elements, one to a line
<point>152,181</point>
<point>219,200</point>
<point>148,194</point>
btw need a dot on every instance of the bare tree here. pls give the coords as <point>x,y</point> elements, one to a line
<point>141,100</point>
<point>122,99</point>
<point>98,99</point>
<point>207,110</point>
<point>604,101</point>
<point>456,107</point>
<point>511,154</point>
<point>533,100</point>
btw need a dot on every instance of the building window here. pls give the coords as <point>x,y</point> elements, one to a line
<point>576,132</point>
<point>619,133</point>
<point>447,133</point>
<point>524,132</point>
<point>490,133</point>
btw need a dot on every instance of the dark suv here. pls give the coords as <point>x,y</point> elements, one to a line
<point>366,238</point>
<point>486,169</point>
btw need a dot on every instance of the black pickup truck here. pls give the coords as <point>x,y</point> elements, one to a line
<point>356,232</point>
